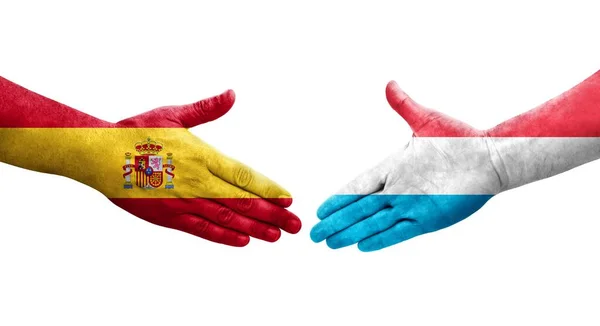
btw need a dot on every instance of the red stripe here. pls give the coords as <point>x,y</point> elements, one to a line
<point>22,108</point>
<point>162,210</point>
<point>140,179</point>
<point>143,204</point>
<point>575,113</point>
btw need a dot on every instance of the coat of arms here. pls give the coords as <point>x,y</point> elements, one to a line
<point>148,166</point>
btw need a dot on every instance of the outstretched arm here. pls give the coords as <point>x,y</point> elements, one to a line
<point>21,108</point>
<point>149,165</point>
<point>555,137</point>
<point>449,169</point>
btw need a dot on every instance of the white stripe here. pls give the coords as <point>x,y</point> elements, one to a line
<point>473,165</point>
<point>528,159</point>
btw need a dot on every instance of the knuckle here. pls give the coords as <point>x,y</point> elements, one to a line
<point>244,203</point>
<point>201,227</point>
<point>271,191</point>
<point>224,216</point>
<point>364,205</point>
<point>200,108</point>
<point>243,176</point>
<point>254,228</point>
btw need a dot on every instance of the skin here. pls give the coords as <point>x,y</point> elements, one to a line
<point>233,202</point>
<point>378,217</point>
<point>448,169</point>
<point>216,197</point>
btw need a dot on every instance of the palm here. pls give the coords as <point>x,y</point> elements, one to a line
<point>443,175</point>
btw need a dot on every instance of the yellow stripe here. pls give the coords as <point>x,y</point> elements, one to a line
<point>95,156</point>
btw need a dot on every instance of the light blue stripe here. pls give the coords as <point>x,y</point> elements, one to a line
<point>347,219</point>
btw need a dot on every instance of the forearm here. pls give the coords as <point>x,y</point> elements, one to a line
<point>32,130</point>
<point>557,136</point>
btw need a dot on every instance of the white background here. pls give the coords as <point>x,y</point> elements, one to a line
<point>313,73</point>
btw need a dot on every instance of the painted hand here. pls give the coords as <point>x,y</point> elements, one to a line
<point>213,196</point>
<point>444,174</point>
<point>149,165</point>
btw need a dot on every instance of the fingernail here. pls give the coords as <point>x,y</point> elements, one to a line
<point>365,247</point>
<point>242,240</point>
<point>284,200</point>
<point>293,226</point>
<point>334,244</point>
<point>272,234</point>
<point>316,234</point>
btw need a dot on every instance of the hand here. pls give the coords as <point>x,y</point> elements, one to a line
<point>149,165</point>
<point>210,196</point>
<point>445,173</point>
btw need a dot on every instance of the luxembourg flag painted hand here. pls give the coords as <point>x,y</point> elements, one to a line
<point>443,175</point>
<point>448,170</point>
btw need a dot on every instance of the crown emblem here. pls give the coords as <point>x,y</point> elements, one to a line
<point>148,147</point>
<point>147,167</point>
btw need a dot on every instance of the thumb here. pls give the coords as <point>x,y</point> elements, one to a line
<point>187,116</point>
<point>412,112</point>
<point>191,115</point>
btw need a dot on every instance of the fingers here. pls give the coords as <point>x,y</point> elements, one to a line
<point>265,211</point>
<point>401,231</point>
<point>369,182</point>
<point>228,218</point>
<point>379,222</point>
<point>250,206</point>
<point>191,115</point>
<point>335,203</point>
<point>243,177</point>
<point>167,212</point>
<point>348,216</point>
<point>205,229</point>
<point>186,116</point>
<point>412,112</point>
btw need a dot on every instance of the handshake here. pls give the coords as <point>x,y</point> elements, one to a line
<point>158,171</point>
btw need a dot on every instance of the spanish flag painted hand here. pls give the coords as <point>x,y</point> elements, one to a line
<point>149,165</point>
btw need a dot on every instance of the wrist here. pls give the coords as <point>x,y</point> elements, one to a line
<point>60,151</point>
<point>522,160</point>
<point>497,154</point>
<point>518,160</point>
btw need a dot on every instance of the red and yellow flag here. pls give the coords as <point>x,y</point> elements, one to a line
<point>149,165</point>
